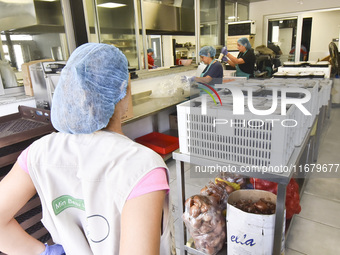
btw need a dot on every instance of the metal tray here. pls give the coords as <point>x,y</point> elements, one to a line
<point>20,129</point>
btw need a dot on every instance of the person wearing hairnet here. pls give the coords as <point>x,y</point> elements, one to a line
<point>245,61</point>
<point>101,193</point>
<point>213,72</point>
<point>151,61</point>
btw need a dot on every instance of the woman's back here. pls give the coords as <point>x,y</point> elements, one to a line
<point>83,182</point>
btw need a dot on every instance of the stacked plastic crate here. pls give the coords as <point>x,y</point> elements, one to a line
<point>249,139</point>
<point>246,139</point>
<point>325,92</point>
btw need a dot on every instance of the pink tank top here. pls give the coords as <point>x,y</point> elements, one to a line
<point>153,181</point>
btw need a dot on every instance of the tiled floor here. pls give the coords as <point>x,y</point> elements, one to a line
<point>316,230</point>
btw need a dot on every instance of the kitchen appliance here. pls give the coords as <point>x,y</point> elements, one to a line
<point>17,132</point>
<point>132,72</point>
<point>247,27</point>
<point>45,77</point>
<point>20,129</point>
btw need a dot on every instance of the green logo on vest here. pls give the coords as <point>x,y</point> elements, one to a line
<point>61,203</point>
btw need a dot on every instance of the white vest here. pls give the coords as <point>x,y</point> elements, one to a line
<point>83,182</point>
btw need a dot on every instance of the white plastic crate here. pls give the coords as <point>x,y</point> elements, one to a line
<point>321,95</point>
<point>325,92</point>
<point>313,105</point>
<point>312,86</point>
<point>248,143</point>
<point>305,122</point>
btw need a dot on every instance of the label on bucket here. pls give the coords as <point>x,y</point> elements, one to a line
<point>247,238</point>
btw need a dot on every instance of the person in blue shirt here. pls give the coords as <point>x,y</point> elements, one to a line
<point>213,72</point>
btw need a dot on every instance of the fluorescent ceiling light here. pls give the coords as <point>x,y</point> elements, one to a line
<point>111,5</point>
<point>14,1</point>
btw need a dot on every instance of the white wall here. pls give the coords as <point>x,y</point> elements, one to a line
<point>184,39</point>
<point>325,27</point>
<point>168,59</point>
<point>258,10</point>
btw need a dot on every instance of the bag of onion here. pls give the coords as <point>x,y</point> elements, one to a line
<point>205,223</point>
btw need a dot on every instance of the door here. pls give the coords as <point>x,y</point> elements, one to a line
<point>156,45</point>
<point>282,33</point>
<point>306,34</point>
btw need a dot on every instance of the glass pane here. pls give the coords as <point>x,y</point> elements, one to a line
<point>164,21</point>
<point>208,23</point>
<point>282,36</point>
<point>155,43</point>
<point>18,56</point>
<point>141,51</point>
<point>91,21</point>
<point>185,48</point>
<point>242,12</point>
<point>229,16</point>
<point>5,48</point>
<point>230,11</point>
<point>117,27</point>
<point>44,41</point>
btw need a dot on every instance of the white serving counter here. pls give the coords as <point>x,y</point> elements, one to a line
<point>9,103</point>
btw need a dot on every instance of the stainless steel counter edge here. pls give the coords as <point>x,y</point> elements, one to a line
<point>145,74</point>
<point>9,99</point>
<point>153,106</point>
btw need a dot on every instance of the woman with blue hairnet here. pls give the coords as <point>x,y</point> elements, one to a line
<point>245,61</point>
<point>101,193</point>
<point>213,72</point>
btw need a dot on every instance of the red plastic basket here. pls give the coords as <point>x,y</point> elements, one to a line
<point>158,142</point>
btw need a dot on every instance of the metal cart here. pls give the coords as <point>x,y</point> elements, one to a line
<point>305,151</point>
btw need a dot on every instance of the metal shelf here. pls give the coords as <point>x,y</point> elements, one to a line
<point>281,178</point>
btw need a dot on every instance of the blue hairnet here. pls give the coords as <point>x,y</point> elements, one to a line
<point>149,50</point>
<point>207,51</point>
<point>245,42</point>
<point>93,81</point>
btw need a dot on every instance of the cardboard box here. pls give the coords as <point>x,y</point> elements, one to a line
<point>173,121</point>
<point>232,41</point>
<point>129,113</point>
<point>27,77</point>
